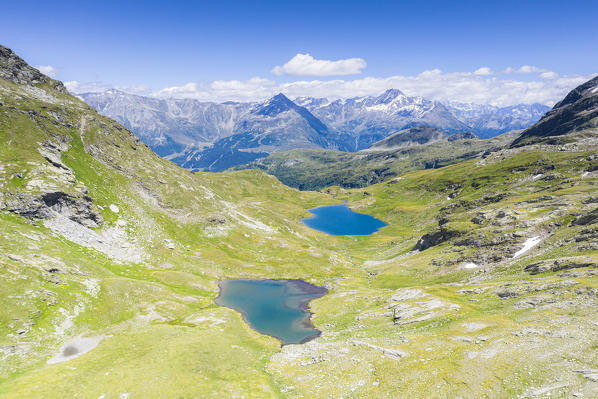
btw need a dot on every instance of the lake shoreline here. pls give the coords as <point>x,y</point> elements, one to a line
<point>352,223</point>
<point>304,286</point>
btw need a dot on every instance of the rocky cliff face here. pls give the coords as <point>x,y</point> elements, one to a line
<point>52,204</point>
<point>14,69</point>
<point>576,113</point>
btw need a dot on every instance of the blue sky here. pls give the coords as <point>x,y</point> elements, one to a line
<point>184,47</point>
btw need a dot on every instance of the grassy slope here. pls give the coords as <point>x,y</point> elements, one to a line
<point>165,337</point>
<point>316,169</point>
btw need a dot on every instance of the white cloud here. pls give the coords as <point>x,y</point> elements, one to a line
<point>433,84</point>
<point>77,87</point>
<point>549,75</point>
<point>135,89</point>
<point>306,65</point>
<point>482,86</point>
<point>95,87</point>
<point>526,69</point>
<point>483,71</point>
<point>222,90</point>
<point>530,69</point>
<point>48,70</point>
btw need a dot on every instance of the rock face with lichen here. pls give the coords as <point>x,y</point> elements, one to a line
<point>14,69</point>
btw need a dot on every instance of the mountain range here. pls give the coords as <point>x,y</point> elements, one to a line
<point>215,136</point>
<point>572,120</point>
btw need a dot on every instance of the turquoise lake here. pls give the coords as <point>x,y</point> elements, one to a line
<point>278,308</point>
<point>339,220</point>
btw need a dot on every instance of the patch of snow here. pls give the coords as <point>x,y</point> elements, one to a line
<point>75,348</point>
<point>470,265</point>
<point>114,208</point>
<point>527,245</point>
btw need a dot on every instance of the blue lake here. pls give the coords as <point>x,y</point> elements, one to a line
<point>278,308</point>
<point>339,220</point>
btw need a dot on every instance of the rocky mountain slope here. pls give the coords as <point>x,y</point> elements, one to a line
<point>372,118</point>
<point>483,284</point>
<point>416,136</point>
<point>275,125</point>
<point>576,114</point>
<point>211,136</point>
<point>488,121</point>
<point>169,126</point>
<point>365,120</point>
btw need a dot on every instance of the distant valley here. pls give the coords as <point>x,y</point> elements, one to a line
<point>216,136</point>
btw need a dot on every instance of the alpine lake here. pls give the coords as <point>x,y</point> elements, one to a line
<point>280,307</point>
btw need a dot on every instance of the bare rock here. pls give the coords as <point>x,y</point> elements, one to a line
<point>47,205</point>
<point>435,238</point>
<point>14,69</point>
<point>557,265</point>
<point>585,219</point>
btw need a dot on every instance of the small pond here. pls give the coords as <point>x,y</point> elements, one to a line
<point>278,308</point>
<point>339,220</point>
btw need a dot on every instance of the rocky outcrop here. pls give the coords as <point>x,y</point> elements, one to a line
<point>462,136</point>
<point>47,205</point>
<point>557,265</point>
<point>14,69</point>
<point>507,291</point>
<point>576,112</point>
<point>436,237</point>
<point>585,219</point>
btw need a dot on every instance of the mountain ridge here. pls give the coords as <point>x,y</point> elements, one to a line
<point>577,112</point>
<point>196,134</point>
